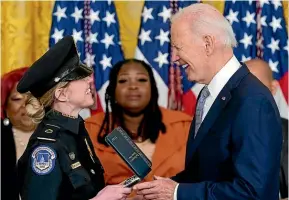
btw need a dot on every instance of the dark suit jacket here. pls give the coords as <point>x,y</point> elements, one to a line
<point>8,164</point>
<point>284,161</point>
<point>236,153</point>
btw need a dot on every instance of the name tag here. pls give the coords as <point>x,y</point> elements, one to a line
<point>75,165</point>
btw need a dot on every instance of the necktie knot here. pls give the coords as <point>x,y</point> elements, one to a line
<point>205,92</point>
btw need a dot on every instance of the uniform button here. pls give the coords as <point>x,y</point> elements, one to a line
<point>92,171</point>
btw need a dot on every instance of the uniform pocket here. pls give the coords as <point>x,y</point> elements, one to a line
<point>79,177</point>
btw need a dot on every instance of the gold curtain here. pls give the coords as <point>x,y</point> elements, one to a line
<point>129,17</point>
<point>25,27</point>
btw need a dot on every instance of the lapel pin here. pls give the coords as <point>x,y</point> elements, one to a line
<point>223,98</point>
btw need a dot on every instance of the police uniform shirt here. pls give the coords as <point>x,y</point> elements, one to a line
<point>59,162</point>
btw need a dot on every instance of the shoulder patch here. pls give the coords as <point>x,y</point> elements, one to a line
<point>43,160</point>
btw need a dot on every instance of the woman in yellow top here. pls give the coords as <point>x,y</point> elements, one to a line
<point>160,133</point>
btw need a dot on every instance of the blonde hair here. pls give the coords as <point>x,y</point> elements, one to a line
<point>35,107</point>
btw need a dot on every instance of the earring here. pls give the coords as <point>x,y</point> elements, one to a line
<point>6,122</point>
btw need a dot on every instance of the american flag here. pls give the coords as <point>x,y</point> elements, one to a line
<point>261,32</point>
<point>95,29</point>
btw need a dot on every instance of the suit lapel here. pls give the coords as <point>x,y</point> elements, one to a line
<point>217,107</point>
<point>219,104</point>
<point>190,141</point>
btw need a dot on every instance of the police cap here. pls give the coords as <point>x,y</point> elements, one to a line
<point>60,63</point>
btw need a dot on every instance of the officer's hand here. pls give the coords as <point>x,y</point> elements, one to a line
<point>113,192</point>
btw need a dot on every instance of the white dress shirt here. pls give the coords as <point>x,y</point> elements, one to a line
<point>215,87</point>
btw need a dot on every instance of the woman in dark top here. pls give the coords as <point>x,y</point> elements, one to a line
<point>59,161</point>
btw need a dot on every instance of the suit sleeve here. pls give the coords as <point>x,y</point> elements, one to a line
<point>257,141</point>
<point>43,175</point>
<point>180,176</point>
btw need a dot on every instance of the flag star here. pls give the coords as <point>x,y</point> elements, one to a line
<point>92,38</point>
<point>274,45</point>
<point>109,18</point>
<point>162,59</point>
<point>244,58</point>
<point>249,18</point>
<point>274,65</point>
<point>276,3</point>
<point>163,37</point>
<point>263,20</point>
<point>109,2</point>
<point>60,13</point>
<point>93,16</point>
<point>77,35</point>
<point>247,40</point>
<point>232,16</point>
<point>286,47</point>
<point>275,23</point>
<point>77,14</point>
<point>107,40</point>
<point>105,62</point>
<point>165,14</point>
<point>147,14</point>
<point>262,2</point>
<point>145,36</point>
<point>57,35</point>
<point>89,59</point>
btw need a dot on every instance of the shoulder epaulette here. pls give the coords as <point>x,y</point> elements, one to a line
<point>48,133</point>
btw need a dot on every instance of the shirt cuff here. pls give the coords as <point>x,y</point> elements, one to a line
<point>176,192</point>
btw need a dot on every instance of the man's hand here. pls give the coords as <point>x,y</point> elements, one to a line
<point>160,188</point>
<point>113,192</point>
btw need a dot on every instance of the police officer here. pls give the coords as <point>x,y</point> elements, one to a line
<point>59,161</point>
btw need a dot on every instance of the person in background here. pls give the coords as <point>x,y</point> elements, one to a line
<point>13,110</point>
<point>234,146</point>
<point>160,133</point>
<point>59,162</point>
<point>263,72</point>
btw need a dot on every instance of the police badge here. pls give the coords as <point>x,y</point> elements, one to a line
<point>43,160</point>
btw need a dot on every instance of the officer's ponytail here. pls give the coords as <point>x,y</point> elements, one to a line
<point>35,107</point>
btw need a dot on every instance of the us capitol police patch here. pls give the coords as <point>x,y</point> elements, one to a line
<point>43,160</point>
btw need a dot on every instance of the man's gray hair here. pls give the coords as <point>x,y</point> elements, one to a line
<point>203,23</point>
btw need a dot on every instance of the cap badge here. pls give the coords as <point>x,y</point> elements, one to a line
<point>56,79</point>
